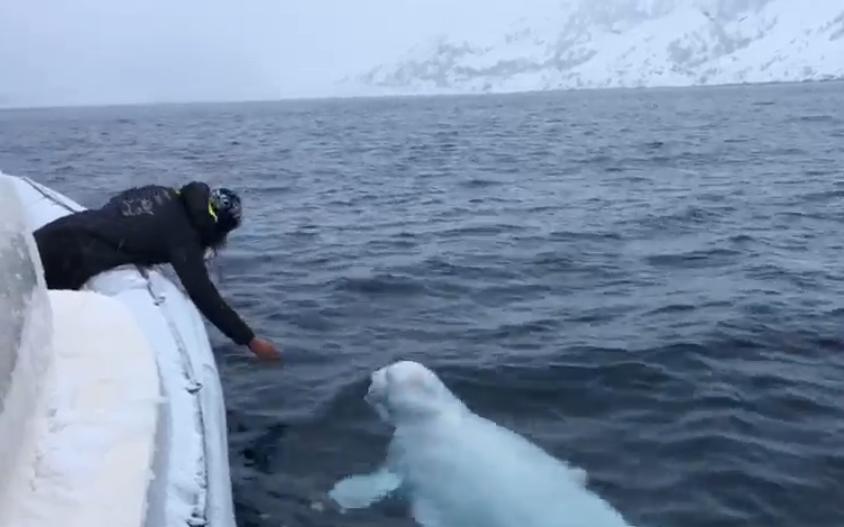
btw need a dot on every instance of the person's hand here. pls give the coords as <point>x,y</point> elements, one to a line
<point>264,349</point>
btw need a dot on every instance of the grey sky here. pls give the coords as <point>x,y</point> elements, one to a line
<point>110,51</point>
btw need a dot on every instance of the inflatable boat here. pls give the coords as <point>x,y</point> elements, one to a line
<point>111,408</point>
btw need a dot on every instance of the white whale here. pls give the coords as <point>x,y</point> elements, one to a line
<point>458,469</point>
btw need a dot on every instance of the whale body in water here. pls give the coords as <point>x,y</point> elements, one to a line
<point>458,469</point>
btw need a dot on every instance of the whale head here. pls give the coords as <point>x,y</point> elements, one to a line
<point>407,391</point>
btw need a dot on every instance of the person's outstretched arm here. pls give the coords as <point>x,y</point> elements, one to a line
<point>189,264</point>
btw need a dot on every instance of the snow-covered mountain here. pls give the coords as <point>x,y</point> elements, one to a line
<point>624,43</point>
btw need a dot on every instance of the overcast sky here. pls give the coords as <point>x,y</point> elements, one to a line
<point>113,51</point>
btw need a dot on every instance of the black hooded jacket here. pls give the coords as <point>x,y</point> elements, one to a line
<point>143,226</point>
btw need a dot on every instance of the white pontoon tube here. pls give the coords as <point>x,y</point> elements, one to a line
<point>190,483</point>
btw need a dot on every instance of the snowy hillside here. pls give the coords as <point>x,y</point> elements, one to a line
<point>624,43</point>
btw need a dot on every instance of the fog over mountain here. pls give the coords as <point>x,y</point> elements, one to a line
<point>622,43</point>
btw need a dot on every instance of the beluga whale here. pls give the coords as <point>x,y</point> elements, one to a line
<point>458,469</point>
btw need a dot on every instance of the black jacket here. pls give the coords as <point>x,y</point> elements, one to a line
<point>145,226</point>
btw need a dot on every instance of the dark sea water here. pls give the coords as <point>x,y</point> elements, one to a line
<point>649,284</point>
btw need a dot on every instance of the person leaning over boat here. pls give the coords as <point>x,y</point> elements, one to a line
<point>146,226</point>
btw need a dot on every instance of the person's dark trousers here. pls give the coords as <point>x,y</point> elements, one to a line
<point>62,258</point>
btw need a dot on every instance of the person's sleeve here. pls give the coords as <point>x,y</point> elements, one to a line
<point>196,194</point>
<point>188,262</point>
